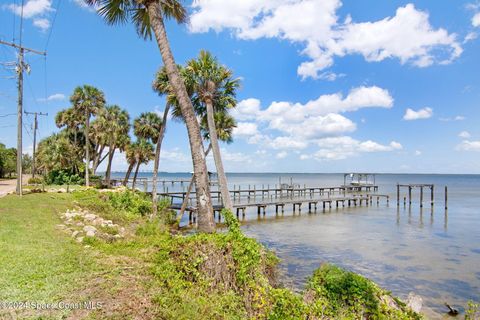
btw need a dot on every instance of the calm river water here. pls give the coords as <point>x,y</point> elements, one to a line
<point>432,252</point>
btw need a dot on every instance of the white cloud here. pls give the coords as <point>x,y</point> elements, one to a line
<point>338,148</point>
<point>476,20</point>
<point>53,97</point>
<point>43,24</point>
<point>418,152</point>
<point>245,129</point>
<point>282,155</point>
<point>288,125</point>
<point>407,36</point>
<point>468,145</point>
<point>37,10</point>
<point>470,36</point>
<point>456,118</point>
<point>424,113</point>
<point>464,134</point>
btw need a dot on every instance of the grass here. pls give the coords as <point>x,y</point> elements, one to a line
<point>38,263</point>
<point>152,274</point>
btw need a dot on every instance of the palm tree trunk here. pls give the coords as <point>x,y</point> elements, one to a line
<point>135,176</point>
<point>129,171</point>
<point>111,153</point>
<point>189,190</point>
<point>96,160</point>
<point>157,160</point>
<point>222,178</point>
<point>87,147</point>
<point>206,222</point>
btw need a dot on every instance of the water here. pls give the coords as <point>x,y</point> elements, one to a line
<point>432,252</point>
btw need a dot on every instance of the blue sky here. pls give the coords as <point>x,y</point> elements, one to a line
<point>327,85</point>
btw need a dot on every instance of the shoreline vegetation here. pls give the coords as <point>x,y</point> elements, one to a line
<point>100,246</point>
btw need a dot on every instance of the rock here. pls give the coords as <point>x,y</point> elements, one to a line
<point>79,224</point>
<point>61,190</point>
<point>79,239</point>
<point>90,217</point>
<point>69,221</point>
<point>98,222</point>
<point>71,214</point>
<point>61,226</point>
<point>122,230</point>
<point>390,302</point>
<point>90,231</point>
<point>75,233</point>
<point>414,302</point>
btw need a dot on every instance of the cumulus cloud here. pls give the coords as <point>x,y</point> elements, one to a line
<point>338,148</point>
<point>464,134</point>
<point>424,113</point>
<point>468,145</point>
<point>37,10</point>
<point>407,36</point>
<point>285,125</point>
<point>245,129</point>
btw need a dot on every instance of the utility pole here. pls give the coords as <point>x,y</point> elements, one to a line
<point>35,127</point>
<point>21,66</point>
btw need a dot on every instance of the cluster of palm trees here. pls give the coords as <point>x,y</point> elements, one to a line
<point>199,90</point>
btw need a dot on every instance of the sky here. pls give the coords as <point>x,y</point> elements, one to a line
<point>326,85</point>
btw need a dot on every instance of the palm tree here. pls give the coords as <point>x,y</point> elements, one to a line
<point>87,100</point>
<point>56,152</point>
<point>71,119</point>
<point>130,157</point>
<point>143,151</point>
<point>148,16</point>
<point>114,123</point>
<point>214,90</point>
<point>151,127</point>
<point>224,124</point>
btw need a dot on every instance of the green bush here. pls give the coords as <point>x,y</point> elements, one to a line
<point>61,177</point>
<point>36,180</point>
<point>130,201</point>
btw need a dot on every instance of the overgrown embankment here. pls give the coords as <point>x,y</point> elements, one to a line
<point>149,273</point>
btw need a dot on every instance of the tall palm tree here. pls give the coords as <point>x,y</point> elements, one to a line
<point>143,151</point>
<point>214,90</point>
<point>148,16</point>
<point>151,126</point>
<point>114,123</point>
<point>87,100</point>
<point>224,125</point>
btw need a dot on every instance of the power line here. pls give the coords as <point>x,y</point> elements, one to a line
<point>53,24</point>
<point>7,115</point>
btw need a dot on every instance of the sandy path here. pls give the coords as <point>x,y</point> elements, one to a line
<point>7,186</point>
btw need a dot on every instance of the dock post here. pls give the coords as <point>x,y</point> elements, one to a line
<point>421,197</point>
<point>432,194</point>
<point>398,195</point>
<point>409,195</point>
<point>446,197</point>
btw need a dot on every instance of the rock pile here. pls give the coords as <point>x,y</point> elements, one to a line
<point>81,223</point>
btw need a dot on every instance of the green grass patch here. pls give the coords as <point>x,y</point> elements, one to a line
<point>38,262</point>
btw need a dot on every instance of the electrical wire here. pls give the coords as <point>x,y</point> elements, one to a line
<point>53,24</point>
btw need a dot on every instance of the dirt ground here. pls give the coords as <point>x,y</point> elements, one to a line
<point>7,186</point>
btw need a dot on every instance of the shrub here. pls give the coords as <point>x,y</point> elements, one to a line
<point>61,177</point>
<point>36,180</point>
<point>130,201</point>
